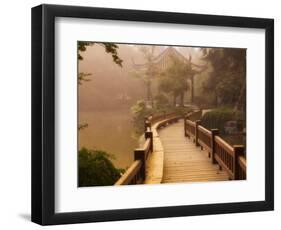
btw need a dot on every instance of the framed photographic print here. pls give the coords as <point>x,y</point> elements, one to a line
<point>142,114</point>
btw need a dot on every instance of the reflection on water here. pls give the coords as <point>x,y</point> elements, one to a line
<point>111,131</point>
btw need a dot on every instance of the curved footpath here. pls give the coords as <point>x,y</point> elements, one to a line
<point>155,161</point>
<point>183,161</point>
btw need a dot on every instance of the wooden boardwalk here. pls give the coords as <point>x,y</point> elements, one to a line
<point>183,161</point>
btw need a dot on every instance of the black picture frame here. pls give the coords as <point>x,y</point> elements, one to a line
<point>43,114</point>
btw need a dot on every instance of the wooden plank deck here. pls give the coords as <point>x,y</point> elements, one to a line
<point>183,161</point>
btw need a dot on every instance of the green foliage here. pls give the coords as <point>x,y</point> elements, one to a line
<point>109,48</point>
<point>112,48</point>
<point>83,77</point>
<point>161,101</point>
<point>148,73</point>
<point>228,76</point>
<point>182,110</point>
<point>82,47</point>
<point>217,118</point>
<point>174,80</point>
<point>96,169</point>
<point>82,126</point>
<point>140,112</point>
<point>228,88</point>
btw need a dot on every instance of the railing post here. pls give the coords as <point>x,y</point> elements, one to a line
<point>196,132</point>
<point>149,134</point>
<point>214,132</point>
<point>139,154</point>
<point>147,124</point>
<point>238,151</point>
<point>184,124</point>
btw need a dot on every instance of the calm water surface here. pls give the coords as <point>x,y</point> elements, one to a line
<point>111,131</point>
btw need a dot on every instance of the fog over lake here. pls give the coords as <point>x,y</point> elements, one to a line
<point>110,130</point>
<point>105,101</point>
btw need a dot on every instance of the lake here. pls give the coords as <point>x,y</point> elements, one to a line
<point>111,131</point>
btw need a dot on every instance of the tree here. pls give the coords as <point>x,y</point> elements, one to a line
<point>82,77</point>
<point>191,72</point>
<point>148,70</point>
<point>109,48</point>
<point>173,81</point>
<point>161,101</point>
<point>140,112</point>
<point>96,168</point>
<point>228,76</point>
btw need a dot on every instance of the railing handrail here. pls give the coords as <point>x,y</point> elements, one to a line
<point>192,123</point>
<point>223,144</point>
<point>146,148</point>
<point>204,137</point>
<point>136,171</point>
<point>228,157</point>
<point>155,118</point>
<point>242,162</point>
<point>130,173</point>
<point>204,130</point>
<point>146,145</point>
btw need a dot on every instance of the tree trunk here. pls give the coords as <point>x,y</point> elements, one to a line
<point>216,99</point>
<point>192,89</point>
<point>148,90</point>
<point>175,100</point>
<point>239,103</point>
<point>182,99</point>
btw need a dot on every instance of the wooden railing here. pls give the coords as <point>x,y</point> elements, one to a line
<point>132,174</point>
<point>135,174</point>
<point>230,158</point>
<point>189,125</point>
<point>189,129</point>
<point>241,172</point>
<point>165,116</point>
<point>204,138</point>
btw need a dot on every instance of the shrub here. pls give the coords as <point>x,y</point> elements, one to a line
<point>161,101</point>
<point>182,110</point>
<point>96,169</point>
<point>139,111</point>
<point>216,119</point>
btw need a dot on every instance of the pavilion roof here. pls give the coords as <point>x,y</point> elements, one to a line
<point>167,53</point>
